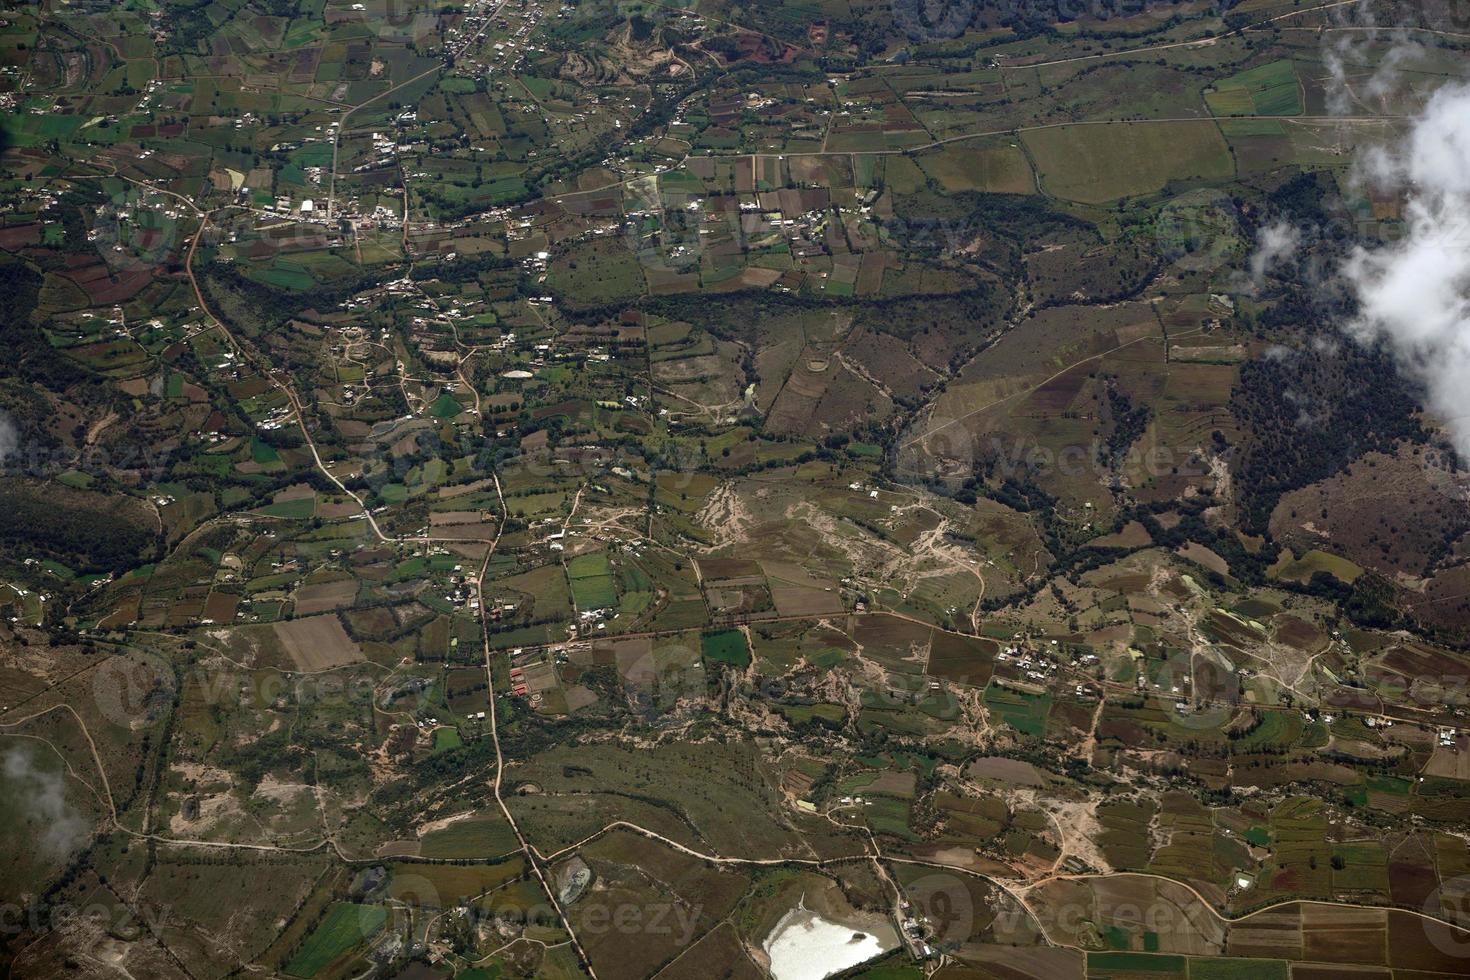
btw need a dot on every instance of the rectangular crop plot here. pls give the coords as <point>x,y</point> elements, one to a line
<point>1135,964</point>
<point>324,596</point>
<point>317,642</point>
<point>1221,968</point>
<point>1022,711</point>
<point>592,582</point>
<point>725,646</point>
<point>1266,90</point>
<point>965,659</point>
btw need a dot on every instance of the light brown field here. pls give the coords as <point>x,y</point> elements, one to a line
<point>1013,772</point>
<point>1451,761</point>
<point>324,596</point>
<point>318,643</point>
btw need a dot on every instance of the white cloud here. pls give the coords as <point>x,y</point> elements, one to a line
<point>1275,243</point>
<point>40,796</point>
<point>1359,79</point>
<point>1415,292</point>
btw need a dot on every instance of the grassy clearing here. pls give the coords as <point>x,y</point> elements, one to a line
<point>1277,730</point>
<point>831,714</point>
<point>1302,569</point>
<point>446,739</point>
<point>996,169</point>
<point>477,837</point>
<point>1093,164</point>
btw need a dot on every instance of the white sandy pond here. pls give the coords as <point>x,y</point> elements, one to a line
<point>805,946</point>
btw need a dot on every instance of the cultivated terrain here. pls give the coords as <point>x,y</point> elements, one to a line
<point>507,489</point>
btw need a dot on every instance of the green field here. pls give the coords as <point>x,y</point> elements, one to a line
<point>999,169</point>
<point>832,714</point>
<point>725,646</point>
<point>1023,712</point>
<point>445,407</point>
<point>1135,964</point>
<point>476,837</point>
<point>299,509</point>
<point>263,453</point>
<point>446,739</point>
<point>1241,968</point>
<point>830,657</point>
<point>1302,569</point>
<point>1277,730</point>
<point>286,278</point>
<point>591,577</point>
<point>345,927</point>
<point>1266,90</point>
<point>1094,164</point>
